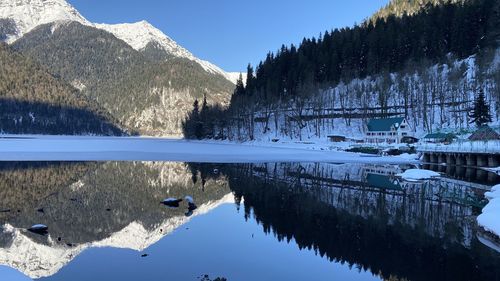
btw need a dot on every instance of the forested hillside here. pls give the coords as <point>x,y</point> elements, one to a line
<point>427,66</point>
<point>147,95</point>
<point>399,8</point>
<point>34,101</point>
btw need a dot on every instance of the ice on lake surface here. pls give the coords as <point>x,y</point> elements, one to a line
<point>85,148</point>
<point>279,221</point>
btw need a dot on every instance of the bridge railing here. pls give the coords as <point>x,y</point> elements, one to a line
<point>462,146</point>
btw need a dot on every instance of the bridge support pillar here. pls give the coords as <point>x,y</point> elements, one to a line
<point>461,172</point>
<point>492,177</point>
<point>441,158</point>
<point>442,168</point>
<point>471,160</point>
<point>460,159</point>
<point>451,169</point>
<point>481,175</point>
<point>426,158</point>
<point>450,159</point>
<point>493,161</point>
<point>482,160</point>
<point>434,158</point>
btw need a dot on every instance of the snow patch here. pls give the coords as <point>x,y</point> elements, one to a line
<point>418,174</point>
<point>490,218</point>
<point>78,85</point>
<point>234,76</point>
<point>28,14</point>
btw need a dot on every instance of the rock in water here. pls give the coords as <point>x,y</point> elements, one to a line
<point>171,202</point>
<point>191,206</point>
<point>189,199</point>
<point>39,229</point>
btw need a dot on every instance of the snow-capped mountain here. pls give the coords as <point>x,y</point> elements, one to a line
<point>28,14</point>
<point>138,35</point>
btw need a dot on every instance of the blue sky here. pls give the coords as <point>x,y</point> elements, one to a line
<point>233,33</point>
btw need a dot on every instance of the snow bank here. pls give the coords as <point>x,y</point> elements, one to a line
<point>418,174</point>
<point>490,218</point>
<point>494,170</point>
<point>78,148</point>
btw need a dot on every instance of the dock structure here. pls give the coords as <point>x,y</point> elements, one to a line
<point>467,153</point>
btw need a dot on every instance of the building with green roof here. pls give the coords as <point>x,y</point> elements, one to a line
<point>387,130</point>
<point>439,138</point>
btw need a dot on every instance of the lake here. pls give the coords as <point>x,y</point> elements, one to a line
<point>265,221</point>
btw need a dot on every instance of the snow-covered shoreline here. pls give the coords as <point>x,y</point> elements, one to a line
<point>490,217</point>
<point>89,148</point>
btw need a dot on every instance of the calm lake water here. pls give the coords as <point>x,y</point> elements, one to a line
<point>287,221</point>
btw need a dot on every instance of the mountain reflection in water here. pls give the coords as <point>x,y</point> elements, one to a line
<point>358,215</point>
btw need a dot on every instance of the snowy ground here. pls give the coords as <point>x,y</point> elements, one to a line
<point>312,143</point>
<point>490,218</point>
<point>78,148</point>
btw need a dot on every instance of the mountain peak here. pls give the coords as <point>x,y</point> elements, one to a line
<point>140,34</point>
<point>19,17</point>
<point>28,14</point>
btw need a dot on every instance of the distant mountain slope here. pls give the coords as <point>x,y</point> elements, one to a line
<point>33,101</point>
<point>149,96</point>
<point>161,94</point>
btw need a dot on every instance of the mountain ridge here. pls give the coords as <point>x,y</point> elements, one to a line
<point>29,14</point>
<point>148,96</point>
<point>138,74</point>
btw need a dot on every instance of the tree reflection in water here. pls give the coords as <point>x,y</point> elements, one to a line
<point>415,231</point>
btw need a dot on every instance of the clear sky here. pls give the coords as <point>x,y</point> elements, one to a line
<point>232,33</point>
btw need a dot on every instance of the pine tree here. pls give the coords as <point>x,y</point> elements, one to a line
<point>196,107</point>
<point>204,106</point>
<point>250,80</point>
<point>480,114</point>
<point>198,126</point>
<point>240,87</point>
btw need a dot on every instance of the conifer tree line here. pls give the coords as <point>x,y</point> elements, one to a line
<point>381,45</point>
<point>384,45</point>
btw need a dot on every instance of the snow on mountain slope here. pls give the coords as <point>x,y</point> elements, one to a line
<point>234,76</point>
<point>28,14</point>
<point>139,34</point>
